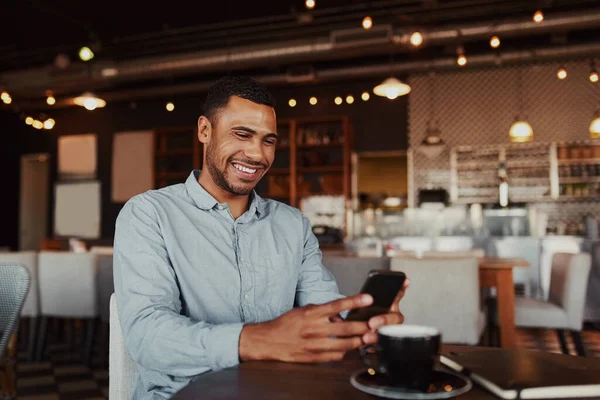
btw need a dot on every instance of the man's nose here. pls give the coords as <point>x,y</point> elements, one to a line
<point>253,150</point>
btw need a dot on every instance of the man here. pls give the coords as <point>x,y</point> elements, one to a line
<point>207,273</point>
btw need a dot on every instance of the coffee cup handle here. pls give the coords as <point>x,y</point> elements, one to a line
<point>378,367</point>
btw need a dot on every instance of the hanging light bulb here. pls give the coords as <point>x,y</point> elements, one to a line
<point>595,126</point>
<point>593,72</point>
<point>495,42</point>
<point>520,132</point>
<point>416,39</point>
<point>391,88</point>
<point>310,4</point>
<point>461,59</point>
<point>561,73</point>
<point>367,22</point>
<point>538,16</point>
<point>90,101</point>
<point>4,95</point>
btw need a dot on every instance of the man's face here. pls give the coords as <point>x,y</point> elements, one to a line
<point>241,145</point>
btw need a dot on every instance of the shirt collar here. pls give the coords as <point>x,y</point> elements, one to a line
<point>206,201</point>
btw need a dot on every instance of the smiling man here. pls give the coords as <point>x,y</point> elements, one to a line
<point>207,273</point>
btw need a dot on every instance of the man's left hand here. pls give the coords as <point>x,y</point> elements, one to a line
<point>394,316</point>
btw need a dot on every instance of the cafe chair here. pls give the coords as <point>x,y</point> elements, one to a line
<point>67,283</point>
<point>14,285</point>
<point>444,293</point>
<point>549,246</point>
<point>122,371</point>
<point>351,272</point>
<point>31,308</point>
<point>566,300</point>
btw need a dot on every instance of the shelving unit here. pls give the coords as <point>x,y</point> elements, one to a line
<point>312,158</point>
<point>530,168</point>
<point>579,170</point>
<point>176,152</point>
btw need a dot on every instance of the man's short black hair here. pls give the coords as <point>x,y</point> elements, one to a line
<point>241,86</point>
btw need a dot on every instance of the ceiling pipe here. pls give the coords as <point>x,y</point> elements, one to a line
<point>357,42</point>
<point>362,72</point>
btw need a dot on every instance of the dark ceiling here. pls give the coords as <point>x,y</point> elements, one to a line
<point>34,32</point>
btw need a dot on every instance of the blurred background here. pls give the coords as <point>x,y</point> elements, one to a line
<point>423,119</point>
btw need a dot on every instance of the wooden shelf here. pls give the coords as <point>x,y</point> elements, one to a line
<point>178,152</point>
<point>321,169</point>
<point>279,171</point>
<point>576,179</point>
<point>579,161</point>
<point>319,146</point>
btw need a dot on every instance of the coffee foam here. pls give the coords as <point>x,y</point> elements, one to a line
<point>415,331</point>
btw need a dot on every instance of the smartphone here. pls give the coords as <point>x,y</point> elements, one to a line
<point>384,287</point>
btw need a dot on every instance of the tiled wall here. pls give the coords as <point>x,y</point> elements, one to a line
<point>478,108</point>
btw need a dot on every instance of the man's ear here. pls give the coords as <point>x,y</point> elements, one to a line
<point>204,129</point>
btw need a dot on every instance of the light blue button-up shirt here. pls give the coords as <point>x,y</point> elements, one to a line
<point>188,276</point>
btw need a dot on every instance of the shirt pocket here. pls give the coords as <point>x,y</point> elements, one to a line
<point>279,275</point>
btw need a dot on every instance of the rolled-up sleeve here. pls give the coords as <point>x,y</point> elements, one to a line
<point>316,285</point>
<point>156,335</point>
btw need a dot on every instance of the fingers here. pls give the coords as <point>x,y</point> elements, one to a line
<point>386,319</point>
<point>333,344</point>
<point>396,304</point>
<point>337,306</point>
<point>338,329</point>
<point>336,318</point>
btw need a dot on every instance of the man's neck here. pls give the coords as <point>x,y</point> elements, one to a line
<point>237,204</point>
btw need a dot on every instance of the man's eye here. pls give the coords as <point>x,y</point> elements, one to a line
<point>271,142</point>
<point>242,135</point>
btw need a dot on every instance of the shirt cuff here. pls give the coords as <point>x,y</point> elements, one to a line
<point>224,345</point>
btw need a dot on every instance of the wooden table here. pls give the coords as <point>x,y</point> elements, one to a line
<point>274,380</point>
<point>498,273</point>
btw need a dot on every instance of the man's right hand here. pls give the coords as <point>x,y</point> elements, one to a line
<point>307,334</point>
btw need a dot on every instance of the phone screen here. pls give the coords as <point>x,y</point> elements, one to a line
<point>383,286</point>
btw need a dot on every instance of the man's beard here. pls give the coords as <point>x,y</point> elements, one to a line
<point>219,177</point>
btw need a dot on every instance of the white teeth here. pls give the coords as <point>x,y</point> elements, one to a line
<point>244,169</point>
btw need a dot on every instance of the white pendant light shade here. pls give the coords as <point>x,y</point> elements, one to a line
<point>90,101</point>
<point>595,127</point>
<point>391,88</point>
<point>521,132</point>
<point>433,145</point>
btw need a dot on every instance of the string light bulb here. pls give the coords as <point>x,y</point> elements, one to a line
<point>338,100</point>
<point>310,4</point>
<point>416,38</point>
<point>349,99</point>
<point>365,96</point>
<point>29,120</point>
<point>313,101</point>
<point>561,73</point>
<point>292,103</point>
<point>85,53</point>
<point>49,123</point>
<point>538,16</point>
<point>495,42</point>
<point>367,22</point>
<point>170,106</point>
<point>461,59</point>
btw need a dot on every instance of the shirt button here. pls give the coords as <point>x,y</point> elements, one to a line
<point>246,296</point>
<point>241,259</point>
